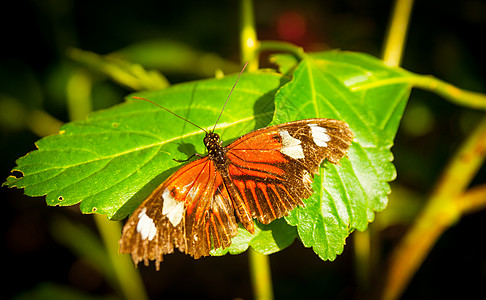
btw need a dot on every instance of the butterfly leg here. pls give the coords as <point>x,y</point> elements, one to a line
<point>188,159</point>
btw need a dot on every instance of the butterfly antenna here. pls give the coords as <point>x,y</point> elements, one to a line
<point>241,72</point>
<point>144,99</point>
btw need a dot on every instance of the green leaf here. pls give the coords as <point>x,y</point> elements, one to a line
<point>327,85</point>
<point>114,159</point>
<point>267,239</point>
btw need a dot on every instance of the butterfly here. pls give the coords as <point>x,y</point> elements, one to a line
<point>262,175</point>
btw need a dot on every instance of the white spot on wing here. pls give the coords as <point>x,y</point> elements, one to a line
<point>184,188</point>
<point>319,135</point>
<point>218,204</point>
<point>146,226</point>
<point>306,178</point>
<point>291,146</point>
<point>172,208</point>
<point>193,192</point>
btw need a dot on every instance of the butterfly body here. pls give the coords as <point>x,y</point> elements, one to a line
<point>216,152</point>
<point>262,175</point>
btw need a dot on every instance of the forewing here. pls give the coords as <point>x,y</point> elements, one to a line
<point>191,211</point>
<point>273,167</point>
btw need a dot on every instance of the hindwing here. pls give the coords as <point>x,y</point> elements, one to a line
<point>191,211</point>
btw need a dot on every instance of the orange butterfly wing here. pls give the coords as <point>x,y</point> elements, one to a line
<point>263,175</point>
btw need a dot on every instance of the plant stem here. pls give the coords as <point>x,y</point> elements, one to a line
<point>79,95</point>
<point>392,55</point>
<point>259,263</point>
<point>472,200</point>
<point>362,258</point>
<point>248,37</point>
<point>442,210</point>
<point>261,277</point>
<point>42,123</point>
<point>128,279</point>
<point>396,37</point>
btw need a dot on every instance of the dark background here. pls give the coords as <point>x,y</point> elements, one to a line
<point>445,39</point>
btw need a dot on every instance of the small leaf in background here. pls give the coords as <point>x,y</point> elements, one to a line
<point>171,56</point>
<point>121,71</point>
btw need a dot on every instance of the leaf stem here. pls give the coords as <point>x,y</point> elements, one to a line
<point>442,211</point>
<point>393,52</point>
<point>449,92</point>
<point>282,46</point>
